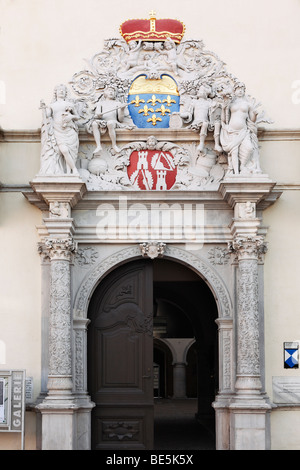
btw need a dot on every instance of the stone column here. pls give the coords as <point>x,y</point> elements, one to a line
<point>248,354</point>
<point>59,408</point>
<point>58,195</point>
<point>226,383</point>
<point>249,408</point>
<point>179,380</point>
<point>60,358</point>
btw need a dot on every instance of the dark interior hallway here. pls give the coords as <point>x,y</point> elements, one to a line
<point>175,426</point>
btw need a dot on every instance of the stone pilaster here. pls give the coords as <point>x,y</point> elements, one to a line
<point>249,408</point>
<point>60,357</point>
<point>248,250</point>
<point>59,408</point>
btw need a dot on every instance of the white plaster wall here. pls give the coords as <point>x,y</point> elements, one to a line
<point>282,300</point>
<point>44,42</point>
<point>20,311</point>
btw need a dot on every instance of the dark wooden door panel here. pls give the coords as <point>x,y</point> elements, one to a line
<point>120,359</point>
<point>123,428</point>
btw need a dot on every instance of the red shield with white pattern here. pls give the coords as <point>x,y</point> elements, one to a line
<point>152,170</point>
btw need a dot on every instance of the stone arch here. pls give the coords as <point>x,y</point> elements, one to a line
<point>191,260</point>
<point>195,262</point>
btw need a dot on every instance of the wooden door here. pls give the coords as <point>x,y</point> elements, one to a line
<point>120,359</point>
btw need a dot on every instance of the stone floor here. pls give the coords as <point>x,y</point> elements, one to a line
<point>175,426</point>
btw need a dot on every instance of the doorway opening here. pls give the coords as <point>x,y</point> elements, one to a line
<point>185,358</point>
<point>152,358</point>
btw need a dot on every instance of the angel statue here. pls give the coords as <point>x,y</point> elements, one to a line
<point>109,115</point>
<point>203,111</point>
<point>59,139</point>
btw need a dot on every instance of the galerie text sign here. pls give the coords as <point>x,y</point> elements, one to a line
<point>12,400</point>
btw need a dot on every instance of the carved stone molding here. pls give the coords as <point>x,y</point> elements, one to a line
<point>205,270</point>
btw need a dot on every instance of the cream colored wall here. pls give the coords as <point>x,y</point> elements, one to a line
<point>44,42</point>
<point>282,300</point>
<point>20,286</point>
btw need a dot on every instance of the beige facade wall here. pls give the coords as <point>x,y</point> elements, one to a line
<point>43,43</point>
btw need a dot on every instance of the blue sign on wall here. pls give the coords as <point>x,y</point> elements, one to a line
<point>291,355</point>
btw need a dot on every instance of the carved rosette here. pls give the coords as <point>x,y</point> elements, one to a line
<point>248,250</point>
<point>60,362</point>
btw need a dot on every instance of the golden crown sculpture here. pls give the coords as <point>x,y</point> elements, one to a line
<point>153,29</point>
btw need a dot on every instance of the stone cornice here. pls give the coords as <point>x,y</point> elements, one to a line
<point>212,200</point>
<point>34,135</point>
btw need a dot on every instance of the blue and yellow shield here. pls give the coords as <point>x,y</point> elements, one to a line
<point>152,101</point>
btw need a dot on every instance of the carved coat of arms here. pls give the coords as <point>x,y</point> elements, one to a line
<point>152,170</point>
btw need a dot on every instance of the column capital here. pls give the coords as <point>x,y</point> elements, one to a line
<point>248,247</point>
<point>60,248</point>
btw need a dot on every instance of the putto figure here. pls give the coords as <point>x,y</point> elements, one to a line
<point>109,114</point>
<point>202,113</point>
<point>59,135</point>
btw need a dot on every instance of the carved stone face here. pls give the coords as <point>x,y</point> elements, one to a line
<point>202,92</point>
<point>239,91</point>
<point>110,93</point>
<point>61,92</point>
<point>132,44</point>
<point>151,143</point>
